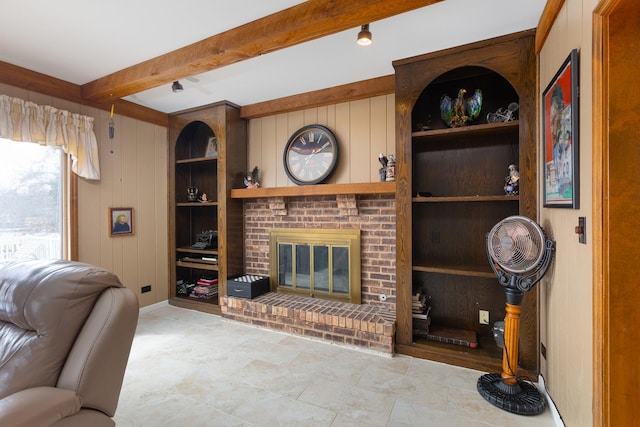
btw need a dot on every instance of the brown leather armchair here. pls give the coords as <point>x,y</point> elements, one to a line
<point>65,335</point>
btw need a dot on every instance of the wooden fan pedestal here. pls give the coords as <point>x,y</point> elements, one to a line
<point>511,337</point>
<point>519,253</point>
<point>506,390</point>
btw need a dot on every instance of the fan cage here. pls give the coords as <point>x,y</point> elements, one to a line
<point>516,244</point>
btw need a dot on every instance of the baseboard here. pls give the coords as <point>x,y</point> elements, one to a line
<point>153,307</point>
<point>557,419</point>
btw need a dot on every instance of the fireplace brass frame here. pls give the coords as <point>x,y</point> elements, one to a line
<point>311,236</point>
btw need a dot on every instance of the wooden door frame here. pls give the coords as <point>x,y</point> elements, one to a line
<point>603,394</point>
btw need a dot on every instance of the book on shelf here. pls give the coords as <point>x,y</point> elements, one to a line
<point>199,289</point>
<point>421,313</point>
<point>453,336</point>
<point>207,282</point>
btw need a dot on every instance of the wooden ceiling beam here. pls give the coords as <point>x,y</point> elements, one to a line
<point>37,82</point>
<point>307,21</point>
<point>344,93</point>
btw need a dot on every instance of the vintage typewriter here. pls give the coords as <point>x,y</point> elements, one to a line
<point>206,240</point>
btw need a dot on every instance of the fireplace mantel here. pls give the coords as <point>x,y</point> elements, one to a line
<point>345,194</point>
<point>316,190</point>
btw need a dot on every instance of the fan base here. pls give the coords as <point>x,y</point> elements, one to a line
<point>520,398</point>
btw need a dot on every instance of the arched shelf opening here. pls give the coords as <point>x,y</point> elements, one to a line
<point>497,93</point>
<point>195,141</point>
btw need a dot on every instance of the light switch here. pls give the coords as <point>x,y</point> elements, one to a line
<point>581,229</point>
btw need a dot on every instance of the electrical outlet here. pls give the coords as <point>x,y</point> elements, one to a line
<point>145,288</point>
<point>484,317</point>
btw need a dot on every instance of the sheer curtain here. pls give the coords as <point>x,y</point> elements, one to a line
<point>26,121</point>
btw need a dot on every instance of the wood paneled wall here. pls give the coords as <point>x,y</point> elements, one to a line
<point>134,175</point>
<point>566,292</point>
<point>364,128</point>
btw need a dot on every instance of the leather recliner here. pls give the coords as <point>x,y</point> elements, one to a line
<point>66,330</point>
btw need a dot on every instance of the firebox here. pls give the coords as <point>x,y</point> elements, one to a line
<point>317,263</point>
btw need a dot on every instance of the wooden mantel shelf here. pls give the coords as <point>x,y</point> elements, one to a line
<point>316,190</point>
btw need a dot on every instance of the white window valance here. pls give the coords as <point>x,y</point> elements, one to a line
<point>26,121</point>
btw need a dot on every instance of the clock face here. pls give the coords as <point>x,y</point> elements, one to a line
<point>311,155</point>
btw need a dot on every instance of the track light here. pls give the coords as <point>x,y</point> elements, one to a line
<point>177,87</point>
<point>364,36</point>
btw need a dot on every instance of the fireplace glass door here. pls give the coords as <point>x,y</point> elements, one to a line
<point>317,267</point>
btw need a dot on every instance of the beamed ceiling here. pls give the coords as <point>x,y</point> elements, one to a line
<point>128,53</point>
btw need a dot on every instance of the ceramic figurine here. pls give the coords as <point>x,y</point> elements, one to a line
<point>192,194</point>
<point>461,111</point>
<point>383,170</point>
<point>391,169</point>
<point>511,182</point>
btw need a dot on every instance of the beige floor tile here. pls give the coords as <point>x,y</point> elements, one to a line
<point>191,369</point>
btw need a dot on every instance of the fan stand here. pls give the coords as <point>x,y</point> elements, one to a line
<point>507,391</point>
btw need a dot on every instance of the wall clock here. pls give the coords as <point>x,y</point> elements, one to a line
<point>311,155</point>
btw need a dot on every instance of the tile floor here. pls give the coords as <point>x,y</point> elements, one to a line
<point>191,369</point>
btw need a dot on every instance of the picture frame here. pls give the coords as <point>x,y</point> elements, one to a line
<point>120,221</point>
<point>212,147</point>
<point>560,137</point>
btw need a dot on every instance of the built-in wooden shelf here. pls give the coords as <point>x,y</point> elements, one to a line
<point>198,251</point>
<point>196,204</point>
<point>200,304</point>
<point>198,265</point>
<point>471,271</point>
<point>468,131</point>
<point>197,160</point>
<point>452,199</point>
<point>316,190</point>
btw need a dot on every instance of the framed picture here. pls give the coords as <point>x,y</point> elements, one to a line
<point>560,117</point>
<point>212,147</point>
<point>120,221</point>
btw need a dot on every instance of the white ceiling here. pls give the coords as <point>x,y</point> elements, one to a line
<point>80,41</point>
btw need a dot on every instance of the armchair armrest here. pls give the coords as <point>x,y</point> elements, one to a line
<point>38,406</point>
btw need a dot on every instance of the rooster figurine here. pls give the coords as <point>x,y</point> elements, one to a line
<point>461,111</point>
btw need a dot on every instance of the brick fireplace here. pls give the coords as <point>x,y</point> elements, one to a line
<point>371,324</point>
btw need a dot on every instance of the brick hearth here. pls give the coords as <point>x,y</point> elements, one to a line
<point>369,325</point>
<point>366,326</point>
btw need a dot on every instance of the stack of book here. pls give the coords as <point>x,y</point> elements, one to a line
<point>420,313</point>
<point>206,287</point>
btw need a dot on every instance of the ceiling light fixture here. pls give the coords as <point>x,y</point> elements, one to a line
<point>364,36</point>
<point>177,87</point>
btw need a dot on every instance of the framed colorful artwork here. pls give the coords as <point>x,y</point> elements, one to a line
<point>561,184</point>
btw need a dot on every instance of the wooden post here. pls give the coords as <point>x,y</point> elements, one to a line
<point>510,352</point>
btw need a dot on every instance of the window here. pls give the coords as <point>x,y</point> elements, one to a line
<point>31,201</point>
